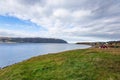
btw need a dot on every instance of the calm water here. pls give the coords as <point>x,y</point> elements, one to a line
<point>13,53</point>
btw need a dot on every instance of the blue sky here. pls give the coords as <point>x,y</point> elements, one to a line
<point>71,20</point>
<point>14,23</point>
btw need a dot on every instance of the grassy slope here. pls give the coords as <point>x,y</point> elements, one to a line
<point>86,64</point>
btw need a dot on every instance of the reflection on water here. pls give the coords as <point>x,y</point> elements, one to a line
<point>13,53</point>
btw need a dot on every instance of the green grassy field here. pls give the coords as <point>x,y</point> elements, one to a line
<point>85,64</point>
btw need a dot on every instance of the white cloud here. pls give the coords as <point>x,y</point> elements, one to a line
<point>81,13</point>
<point>67,18</point>
<point>61,13</point>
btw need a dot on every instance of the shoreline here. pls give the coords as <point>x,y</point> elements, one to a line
<point>41,53</point>
<point>92,47</point>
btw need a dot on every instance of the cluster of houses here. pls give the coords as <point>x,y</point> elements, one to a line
<point>103,46</point>
<point>110,44</point>
<point>106,45</point>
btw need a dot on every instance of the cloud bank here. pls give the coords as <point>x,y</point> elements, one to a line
<point>72,20</point>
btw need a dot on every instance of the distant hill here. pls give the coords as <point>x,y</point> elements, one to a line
<point>30,40</point>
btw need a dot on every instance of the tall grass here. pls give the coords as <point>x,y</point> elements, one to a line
<point>86,64</point>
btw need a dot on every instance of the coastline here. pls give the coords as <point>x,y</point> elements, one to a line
<point>43,54</point>
<point>30,50</point>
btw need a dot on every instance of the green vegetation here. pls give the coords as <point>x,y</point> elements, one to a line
<point>86,64</point>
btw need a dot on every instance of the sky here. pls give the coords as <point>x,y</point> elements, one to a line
<point>71,20</point>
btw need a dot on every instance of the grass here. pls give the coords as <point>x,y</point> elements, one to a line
<point>85,64</point>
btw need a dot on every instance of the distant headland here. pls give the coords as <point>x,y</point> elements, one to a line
<point>30,40</point>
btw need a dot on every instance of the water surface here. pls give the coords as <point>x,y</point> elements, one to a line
<point>13,53</point>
